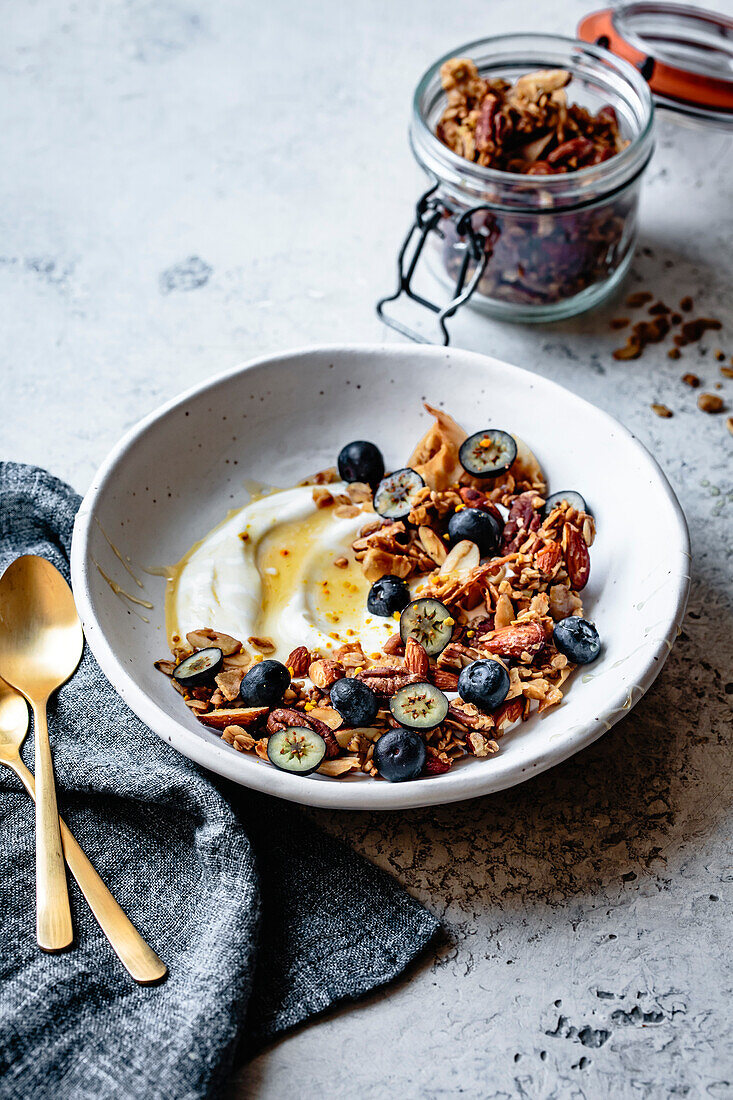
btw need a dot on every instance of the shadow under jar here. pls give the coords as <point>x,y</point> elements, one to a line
<point>555,244</point>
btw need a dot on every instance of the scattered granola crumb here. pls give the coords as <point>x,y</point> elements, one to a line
<point>663,411</point>
<point>719,355</point>
<point>620,322</point>
<point>674,353</point>
<point>676,318</point>
<point>639,298</point>
<point>341,563</point>
<point>710,402</point>
<point>691,331</point>
<point>729,424</point>
<point>727,372</point>
<point>691,380</point>
<point>659,308</point>
<point>686,304</point>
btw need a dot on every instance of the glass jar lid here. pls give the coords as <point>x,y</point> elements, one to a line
<point>685,53</point>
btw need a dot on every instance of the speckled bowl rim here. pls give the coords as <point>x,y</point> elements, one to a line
<point>462,783</point>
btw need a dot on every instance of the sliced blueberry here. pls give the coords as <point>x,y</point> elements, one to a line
<point>356,702</point>
<point>387,595</point>
<point>484,683</point>
<point>419,706</point>
<point>577,639</point>
<point>429,622</point>
<point>399,755</point>
<point>199,668</point>
<point>396,493</point>
<point>475,525</point>
<point>296,749</point>
<point>265,684</point>
<point>361,461</point>
<point>570,496</point>
<point>488,453</point>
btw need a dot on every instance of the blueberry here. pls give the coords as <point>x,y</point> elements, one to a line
<point>265,684</point>
<point>399,755</point>
<point>477,526</point>
<point>484,683</point>
<point>361,461</point>
<point>356,702</point>
<point>577,639</point>
<point>387,595</point>
<point>396,494</point>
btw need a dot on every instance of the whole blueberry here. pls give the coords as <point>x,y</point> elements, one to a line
<point>477,526</point>
<point>361,461</point>
<point>356,702</point>
<point>484,683</point>
<point>399,755</point>
<point>265,684</point>
<point>387,595</point>
<point>577,639</point>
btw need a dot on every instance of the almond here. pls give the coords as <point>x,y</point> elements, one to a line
<point>234,716</point>
<point>327,715</point>
<point>577,558</point>
<point>514,640</point>
<point>299,661</point>
<point>504,614</point>
<point>323,673</point>
<point>416,659</point>
<point>463,558</point>
<point>432,544</point>
<point>394,646</point>
<point>205,637</point>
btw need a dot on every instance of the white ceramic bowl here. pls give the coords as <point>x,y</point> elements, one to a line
<point>175,475</point>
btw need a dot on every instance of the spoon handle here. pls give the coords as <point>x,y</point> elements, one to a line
<point>53,914</point>
<point>135,954</point>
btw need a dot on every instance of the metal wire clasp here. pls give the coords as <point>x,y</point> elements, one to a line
<point>429,212</point>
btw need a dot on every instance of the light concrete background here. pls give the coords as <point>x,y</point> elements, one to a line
<point>185,185</point>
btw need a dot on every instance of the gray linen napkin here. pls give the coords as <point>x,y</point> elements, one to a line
<point>262,919</point>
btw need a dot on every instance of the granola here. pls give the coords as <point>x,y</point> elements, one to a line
<point>532,128</point>
<point>490,628</point>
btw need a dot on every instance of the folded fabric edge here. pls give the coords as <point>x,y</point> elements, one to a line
<point>391,958</point>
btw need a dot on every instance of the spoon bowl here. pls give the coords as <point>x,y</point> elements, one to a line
<point>40,634</point>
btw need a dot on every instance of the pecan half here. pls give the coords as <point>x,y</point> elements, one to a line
<point>386,681</point>
<point>282,717</point>
<point>524,517</point>
<point>468,715</point>
<point>441,678</point>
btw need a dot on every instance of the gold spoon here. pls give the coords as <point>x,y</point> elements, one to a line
<point>40,645</point>
<point>135,953</point>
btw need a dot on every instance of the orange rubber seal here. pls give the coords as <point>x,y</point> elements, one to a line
<point>664,79</point>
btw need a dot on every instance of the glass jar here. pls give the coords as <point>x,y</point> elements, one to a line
<point>555,245</point>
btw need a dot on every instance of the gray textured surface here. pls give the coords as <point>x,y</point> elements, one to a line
<point>191,184</point>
